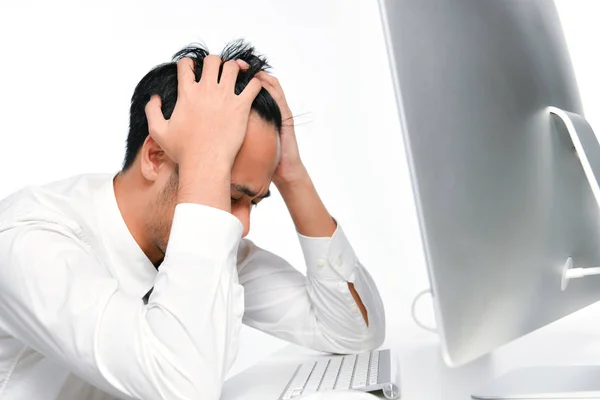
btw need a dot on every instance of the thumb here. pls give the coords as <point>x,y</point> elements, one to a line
<point>157,124</point>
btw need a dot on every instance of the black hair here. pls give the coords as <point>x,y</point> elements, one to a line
<point>162,80</point>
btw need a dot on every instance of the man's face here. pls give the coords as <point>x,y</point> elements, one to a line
<point>251,177</point>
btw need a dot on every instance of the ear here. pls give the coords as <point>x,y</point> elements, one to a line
<point>152,158</point>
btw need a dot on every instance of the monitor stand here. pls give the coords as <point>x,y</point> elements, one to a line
<point>565,382</point>
<point>586,145</point>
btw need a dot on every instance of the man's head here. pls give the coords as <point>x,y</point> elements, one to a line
<point>157,176</point>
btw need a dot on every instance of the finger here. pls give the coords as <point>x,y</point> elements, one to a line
<point>270,79</point>
<point>243,64</point>
<point>210,69</point>
<point>157,124</point>
<point>185,73</point>
<point>271,84</point>
<point>272,91</point>
<point>251,90</point>
<point>269,88</point>
<point>229,74</point>
<point>276,94</point>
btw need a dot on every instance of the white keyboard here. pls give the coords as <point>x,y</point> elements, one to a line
<point>366,371</point>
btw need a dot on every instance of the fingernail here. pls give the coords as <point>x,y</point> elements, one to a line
<point>243,64</point>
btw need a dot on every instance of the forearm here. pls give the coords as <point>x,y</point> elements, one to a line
<point>306,208</point>
<point>312,218</point>
<point>181,341</point>
<point>175,347</point>
<point>312,310</point>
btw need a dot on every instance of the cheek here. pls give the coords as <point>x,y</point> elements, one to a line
<point>242,212</point>
<point>165,220</point>
<point>164,209</point>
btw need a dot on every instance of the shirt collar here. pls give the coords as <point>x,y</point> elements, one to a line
<point>134,271</point>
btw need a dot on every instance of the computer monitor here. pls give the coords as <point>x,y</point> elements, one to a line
<point>503,198</point>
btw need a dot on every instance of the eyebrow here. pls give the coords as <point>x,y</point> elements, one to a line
<point>249,192</point>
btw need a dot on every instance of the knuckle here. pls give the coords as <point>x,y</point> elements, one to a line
<point>212,58</point>
<point>231,64</point>
<point>183,88</point>
<point>185,61</point>
<point>152,131</point>
<point>254,84</point>
<point>150,107</point>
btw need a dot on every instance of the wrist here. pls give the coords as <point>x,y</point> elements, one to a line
<point>300,183</point>
<point>201,161</point>
<point>306,208</point>
<point>298,177</point>
<point>205,183</point>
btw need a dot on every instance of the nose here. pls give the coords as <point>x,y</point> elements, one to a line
<point>243,214</point>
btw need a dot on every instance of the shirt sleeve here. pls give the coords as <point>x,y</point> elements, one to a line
<point>316,310</point>
<point>57,298</point>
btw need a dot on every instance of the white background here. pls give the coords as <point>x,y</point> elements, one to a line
<point>68,69</point>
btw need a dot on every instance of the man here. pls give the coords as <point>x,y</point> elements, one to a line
<point>135,285</point>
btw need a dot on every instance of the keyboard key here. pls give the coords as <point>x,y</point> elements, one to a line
<point>346,372</point>
<point>361,371</point>
<point>339,372</point>
<point>373,379</point>
<point>374,369</point>
<point>331,374</point>
<point>301,377</point>
<point>375,359</point>
<point>315,377</point>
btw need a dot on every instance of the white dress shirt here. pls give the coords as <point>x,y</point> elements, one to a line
<point>74,325</point>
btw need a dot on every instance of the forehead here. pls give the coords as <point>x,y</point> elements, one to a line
<point>259,155</point>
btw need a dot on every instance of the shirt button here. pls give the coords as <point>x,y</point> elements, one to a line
<point>339,262</point>
<point>320,263</point>
<point>354,308</point>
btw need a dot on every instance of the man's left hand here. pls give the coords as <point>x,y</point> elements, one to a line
<point>306,208</point>
<point>290,168</point>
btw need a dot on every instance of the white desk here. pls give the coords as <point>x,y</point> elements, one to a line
<point>423,374</point>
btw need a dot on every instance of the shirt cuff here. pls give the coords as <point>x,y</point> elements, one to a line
<point>329,258</point>
<point>199,230</point>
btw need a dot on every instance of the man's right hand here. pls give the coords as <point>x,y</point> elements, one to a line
<point>206,130</point>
